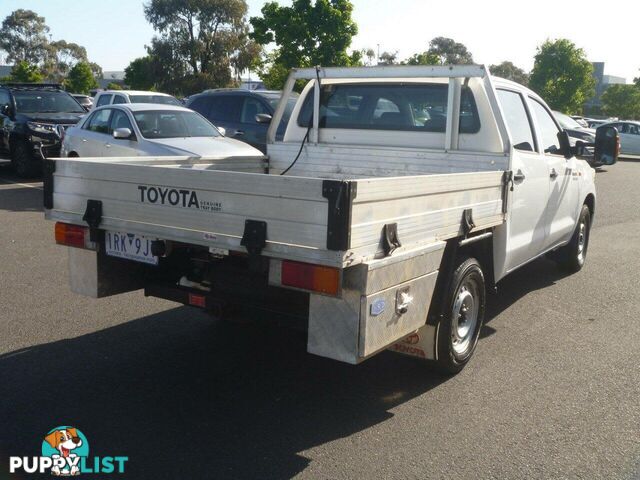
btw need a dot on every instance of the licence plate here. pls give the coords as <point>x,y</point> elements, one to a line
<point>129,246</point>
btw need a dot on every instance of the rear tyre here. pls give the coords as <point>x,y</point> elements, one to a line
<point>573,256</point>
<point>23,161</point>
<point>463,318</point>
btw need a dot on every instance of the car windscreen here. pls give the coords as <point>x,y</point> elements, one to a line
<point>45,102</point>
<point>159,99</point>
<point>566,121</point>
<point>173,124</point>
<point>389,106</point>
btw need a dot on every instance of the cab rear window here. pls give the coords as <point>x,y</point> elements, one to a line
<point>399,106</point>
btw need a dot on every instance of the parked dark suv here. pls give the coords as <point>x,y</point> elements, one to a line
<point>33,118</point>
<point>235,110</point>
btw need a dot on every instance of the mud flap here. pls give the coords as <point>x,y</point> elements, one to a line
<point>421,343</point>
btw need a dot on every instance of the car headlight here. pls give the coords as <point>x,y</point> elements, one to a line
<point>42,127</point>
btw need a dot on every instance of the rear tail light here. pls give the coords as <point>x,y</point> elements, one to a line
<point>73,236</point>
<point>315,278</point>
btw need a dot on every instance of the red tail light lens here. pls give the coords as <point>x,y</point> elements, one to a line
<point>73,236</point>
<point>315,278</point>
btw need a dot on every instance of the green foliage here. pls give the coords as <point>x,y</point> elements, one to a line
<point>114,86</point>
<point>23,72</point>
<point>23,36</point>
<point>622,101</point>
<point>562,75</point>
<point>306,34</point>
<point>424,58</point>
<point>139,74</point>
<point>388,58</point>
<point>60,57</point>
<point>208,37</point>
<point>509,71</point>
<point>449,52</point>
<point>80,79</point>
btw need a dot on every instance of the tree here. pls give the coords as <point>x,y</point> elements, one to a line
<point>307,33</point>
<point>509,71</point>
<point>449,52</point>
<point>201,37</point>
<point>562,75</point>
<point>622,101</point>
<point>139,74</point>
<point>424,58</point>
<point>23,72</point>
<point>23,36</point>
<point>60,57</point>
<point>114,86</point>
<point>80,79</point>
<point>388,58</point>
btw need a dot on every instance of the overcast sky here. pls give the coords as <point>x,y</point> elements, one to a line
<point>114,32</point>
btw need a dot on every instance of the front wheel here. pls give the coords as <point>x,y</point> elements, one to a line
<point>572,256</point>
<point>462,321</point>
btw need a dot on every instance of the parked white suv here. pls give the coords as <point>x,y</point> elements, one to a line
<point>114,97</point>
<point>132,130</point>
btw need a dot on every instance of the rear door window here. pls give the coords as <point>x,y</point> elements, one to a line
<point>225,108</point>
<point>119,119</point>
<point>104,100</point>
<point>406,107</point>
<point>119,99</point>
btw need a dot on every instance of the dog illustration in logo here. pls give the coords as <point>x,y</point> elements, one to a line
<point>64,440</point>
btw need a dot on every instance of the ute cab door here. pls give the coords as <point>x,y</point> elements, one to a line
<point>523,236</point>
<point>563,177</point>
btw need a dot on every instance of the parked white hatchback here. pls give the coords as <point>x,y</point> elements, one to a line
<point>130,130</point>
<point>116,97</point>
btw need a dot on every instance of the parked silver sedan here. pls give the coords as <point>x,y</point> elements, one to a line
<point>629,136</point>
<point>129,130</point>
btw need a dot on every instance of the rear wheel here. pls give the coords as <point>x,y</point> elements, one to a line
<point>23,161</point>
<point>462,321</point>
<point>573,256</point>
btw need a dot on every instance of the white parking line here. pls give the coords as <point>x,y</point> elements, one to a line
<point>11,182</point>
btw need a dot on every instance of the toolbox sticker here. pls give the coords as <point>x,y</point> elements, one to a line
<point>377,307</point>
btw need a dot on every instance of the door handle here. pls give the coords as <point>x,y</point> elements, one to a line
<point>107,145</point>
<point>238,133</point>
<point>519,176</point>
<point>553,174</point>
<point>84,139</point>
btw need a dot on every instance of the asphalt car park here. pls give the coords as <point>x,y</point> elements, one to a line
<point>553,391</point>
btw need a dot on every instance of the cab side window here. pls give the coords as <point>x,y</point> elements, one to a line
<point>547,128</point>
<point>119,119</point>
<point>99,122</point>
<point>119,99</point>
<point>4,98</point>
<point>250,108</point>
<point>104,100</point>
<point>517,120</point>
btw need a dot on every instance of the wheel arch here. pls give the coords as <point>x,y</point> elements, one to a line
<point>590,201</point>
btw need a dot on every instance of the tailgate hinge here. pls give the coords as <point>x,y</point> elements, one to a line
<point>467,221</point>
<point>254,237</point>
<point>93,217</point>
<point>340,195</point>
<point>390,240</point>
<point>48,167</point>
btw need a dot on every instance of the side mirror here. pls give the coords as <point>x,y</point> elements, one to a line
<point>263,118</point>
<point>607,146</point>
<point>565,144</point>
<point>222,131</point>
<point>122,133</point>
<point>6,110</point>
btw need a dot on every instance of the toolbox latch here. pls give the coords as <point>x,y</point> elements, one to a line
<point>254,237</point>
<point>93,217</point>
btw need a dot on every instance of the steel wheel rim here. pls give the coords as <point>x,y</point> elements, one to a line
<point>582,241</point>
<point>464,317</point>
